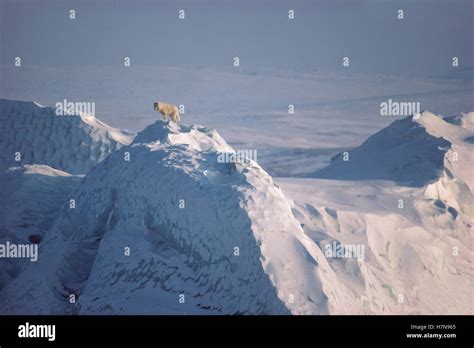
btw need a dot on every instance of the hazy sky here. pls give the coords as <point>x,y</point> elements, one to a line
<point>259,32</point>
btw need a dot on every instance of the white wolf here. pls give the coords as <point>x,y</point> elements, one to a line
<point>169,111</point>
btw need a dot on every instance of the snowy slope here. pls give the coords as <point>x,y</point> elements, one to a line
<point>421,252</point>
<point>70,143</point>
<point>33,189</point>
<point>412,151</point>
<point>31,198</point>
<point>174,251</point>
<point>416,226</point>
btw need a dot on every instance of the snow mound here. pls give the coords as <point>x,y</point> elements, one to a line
<point>406,196</point>
<point>31,199</point>
<point>70,143</point>
<point>412,151</point>
<point>416,259</point>
<point>161,226</point>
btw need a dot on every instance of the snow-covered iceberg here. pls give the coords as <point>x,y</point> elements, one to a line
<point>161,226</point>
<point>42,158</point>
<point>33,134</point>
<point>412,151</point>
<point>406,197</point>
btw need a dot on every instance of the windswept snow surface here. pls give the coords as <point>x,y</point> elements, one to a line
<point>416,226</point>
<point>31,198</point>
<point>72,143</point>
<point>417,259</point>
<point>41,157</point>
<point>412,151</point>
<point>182,214</point>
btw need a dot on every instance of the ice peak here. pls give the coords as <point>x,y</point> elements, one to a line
<point>411,151</point>
<point>196,137</point>
<point>72,143</point>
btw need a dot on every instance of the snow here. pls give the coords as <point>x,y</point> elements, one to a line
<point>54,151</point>
<point>418,253</point>
<point>70,143</point>
<point>31,199</point>
<point>412,151</point>
<point>135,204</point>
<point>157,216</point>
<point>408,252</point>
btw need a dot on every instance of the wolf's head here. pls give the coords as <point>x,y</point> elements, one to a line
<point>155,106</point>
